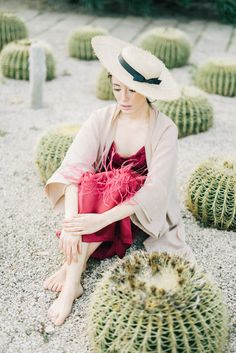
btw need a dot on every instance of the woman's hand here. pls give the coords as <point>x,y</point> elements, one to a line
<point>70,246</point>
<point>84,223</point>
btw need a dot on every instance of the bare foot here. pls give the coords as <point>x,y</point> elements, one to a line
<point>55,282</point>
<point>61,307</point>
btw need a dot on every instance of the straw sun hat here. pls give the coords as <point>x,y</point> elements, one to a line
<point>136,68</point>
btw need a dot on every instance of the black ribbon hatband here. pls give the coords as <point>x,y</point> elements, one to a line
<point>136,75</point>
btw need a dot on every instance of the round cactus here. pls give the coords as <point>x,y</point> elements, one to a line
<point>156,303</point>
<point>170,45</point>
<point>80,42</point>
<point>192,112</point>
<point>52,148</point>
<point>11,28</point>
<point>14,60</point>
<point>211,193</point>
<point>104,86</point>
<point>218,76</point>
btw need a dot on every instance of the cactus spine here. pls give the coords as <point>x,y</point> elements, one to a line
<point>11,28</point>
<point>52,148</point>
<point>104,86</point>
<point>170,45</point>
<point>211,193</point>
<point>80,42</point>
<point>156,303</point>
<point>14,59</point>
<point>192,112</point>
<point>218,76</point>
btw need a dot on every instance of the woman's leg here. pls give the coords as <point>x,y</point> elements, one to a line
<point>55,282</point>
<point>72,287</point>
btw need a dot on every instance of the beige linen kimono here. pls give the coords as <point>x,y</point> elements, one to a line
<point>158,214</point>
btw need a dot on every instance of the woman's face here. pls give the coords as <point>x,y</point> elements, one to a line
<point>129,100</point>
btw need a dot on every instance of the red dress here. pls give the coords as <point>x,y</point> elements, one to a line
<point>117,181</point>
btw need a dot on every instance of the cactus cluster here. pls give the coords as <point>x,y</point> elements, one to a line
<point>11,28</point>
<point>52,148</point>
<point>80,42</point>
<point>192,112</point>
<point>211,193</point>
<point>218,76</point>
<point>14,60</point>
<point>170,45</point>
<point>156,303</point>
<point>104,87</point>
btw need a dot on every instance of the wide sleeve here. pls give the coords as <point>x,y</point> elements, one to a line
<point>153,197</point>
<point>80,157</point>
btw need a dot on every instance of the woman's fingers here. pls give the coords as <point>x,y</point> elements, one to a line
<point>74,229</point>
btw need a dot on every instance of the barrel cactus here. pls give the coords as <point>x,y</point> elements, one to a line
<point>170,45</point>
<point>11,28</point>
<point>218,76</point>
<point>14,59</point>
<point>211,193</point>
<point>156,303</point>
<point>104,86</point>
<point>80,42</point>
<point>52,148</point>
<point>192,112</point>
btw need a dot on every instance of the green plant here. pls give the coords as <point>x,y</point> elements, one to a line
<point>80,42</point>
<point>14,60</point>
<point>226,10</point>
<point>218,76</point>
<point>11,28</point>
<point>135,7</point>
<point>52,148</point>
<point>156,303</point>
<point>211,193</point>
<point>192,112</point>
<point>104,86</point>
<point>170,45</point>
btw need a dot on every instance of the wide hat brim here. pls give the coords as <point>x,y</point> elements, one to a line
<point>108,48</point>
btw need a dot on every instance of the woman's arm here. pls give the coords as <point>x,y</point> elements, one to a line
<point>69,244</point>
<point>123,210</point>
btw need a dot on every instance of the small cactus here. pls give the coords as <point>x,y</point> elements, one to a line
<point>211,193</point>
<point>217,76</point>
<point>156,303</point>
<point>14,60</point>
<point>192,112</point>
<point>170,45</point>
<point>80,42</point>
<point>104,86</point>
<point>52,148</point>
<point>11,28</point>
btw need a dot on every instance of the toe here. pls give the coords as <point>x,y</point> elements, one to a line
<point>59,320</point>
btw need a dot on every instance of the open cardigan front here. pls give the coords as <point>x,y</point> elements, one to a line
<point>157,213</point>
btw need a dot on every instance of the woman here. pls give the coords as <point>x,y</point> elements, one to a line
<point>120,168</point>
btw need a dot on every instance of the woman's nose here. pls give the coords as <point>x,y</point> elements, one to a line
<point>124,95</point>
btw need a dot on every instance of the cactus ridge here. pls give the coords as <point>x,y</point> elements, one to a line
<point>104,87</point>
<point>170,45</point>
<point>11,28</point>
<point>156,303</point>
<point>52,148</point>
<point>14,60</point>
<point>211,193</point>
<point>79,43</point>
<point>192,112</point>
<point>217,76</point>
